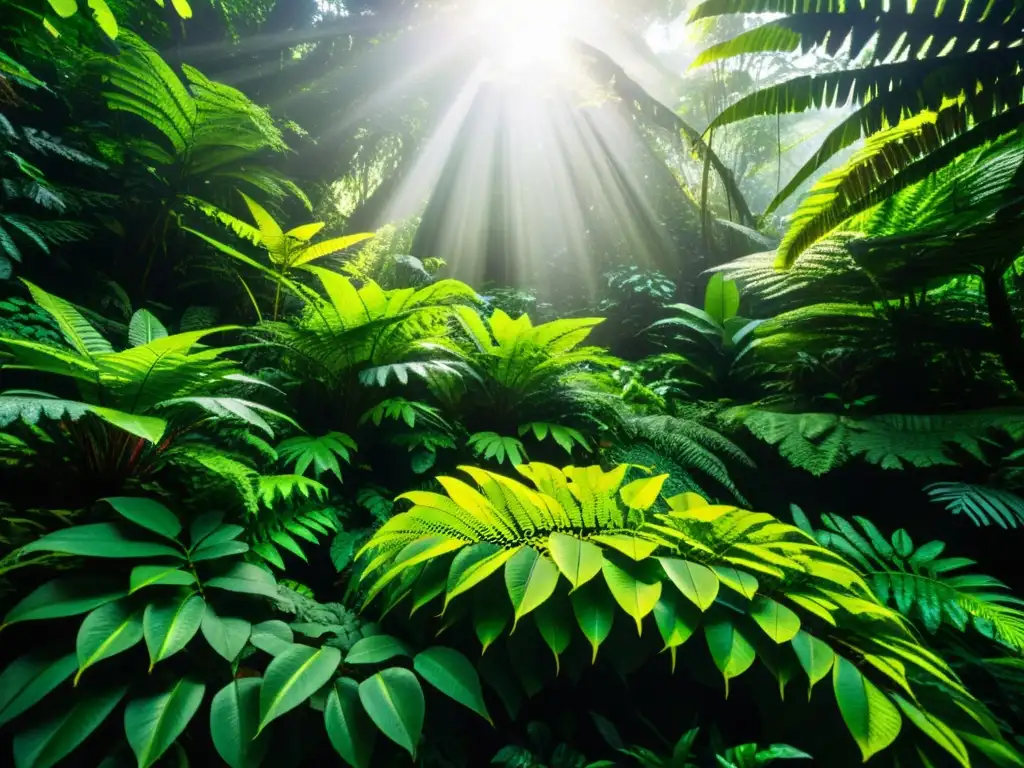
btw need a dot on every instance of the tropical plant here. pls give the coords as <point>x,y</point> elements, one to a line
<point>923,586</point>
<point>521,372</point>
<point>175,592</point>
<point>103,15</point>
<point>144,398</point>
<point>579,543</point>
<point>705,346</point>
<point>286,251</point>
<point>928,84</point>
<point>982,504</point>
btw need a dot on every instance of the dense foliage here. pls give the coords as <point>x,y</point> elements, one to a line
<point>377,373</point>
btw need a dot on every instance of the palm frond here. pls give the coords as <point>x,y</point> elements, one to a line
<point>982,504</point>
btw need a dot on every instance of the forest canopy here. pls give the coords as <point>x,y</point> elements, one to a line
<point>505,382</point>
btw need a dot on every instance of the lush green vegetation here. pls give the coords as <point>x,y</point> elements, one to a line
<point>619,384</point>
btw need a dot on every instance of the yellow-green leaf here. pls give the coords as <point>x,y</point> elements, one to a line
<point>183,9</point>
<point>732,652</point>
<point>815,656</point>
<point>741,581</point>
<point>683,502</point>
<point>677,621</point>
<point>872,719</point>
<point>635,596</point>
<point>476,572</point>
<point>778,622</point>
<point>629,544</point>
<point>104,17</point>
<point>531,579</point>
<point>697,582</point>
<point>641,494</point>
<point>578,560</point>
<point>64,8</point>
<point>594,612</point>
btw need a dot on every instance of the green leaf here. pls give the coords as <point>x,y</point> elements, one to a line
<point>595,612</point>
<point>227,635</point>
<point>217,551</point>
<point>273,637</point>
<point>698,583</point>
<point>107,631</point>
<point>49,742</point>
<point>147,427</point>
<point>100,540</point>
<point>170,625</point>
<point>69,596</point>
<point>247,579</point>
<point>394,701</point>
<point>203,526</point>
<point>641,494</point>
<point>453,675</point>
<point>153,723</point>
<point>234,719</point>
<point>478,566</point>
<point>732,652</point>
<point>530,578</point>
<point>64,8</point>
<point>635,596</point>
<point>376,648</point>
<point>815,656</point>
<point>28,679</point>
<point>144,328</point>
<point>578,560</point>
<point>159,575</point>
<point>147,513</point>
<point>552,621</point>
<point>182,8</point>
<point>676,622</point>
<point>348,727</point>
<point>104,17</point>
<point>721,298</point>
<point>778,622</point>
<point>936,730</point>
<point>872,719</point>
<point>292,677</point>
<point>740,581</point>
<point>490,615</point>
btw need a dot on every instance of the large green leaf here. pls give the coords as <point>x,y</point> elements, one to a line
<point>69,596</point>
<point>292,677</point>
<point>50,741</point>
<point>636,596</point>
<point>28,679</point>
<point>721,298</point>
<point>227,635</point>
<point>394,701</point>
<point>732,652</point>
<point>100,540</point>
<point>107,631</point>
<point>778,621</point>
<point>578,560</point>
<point>815,656</point>
<point>530,578</point>
<point>872,719</point>
<point>697,582</point>
<point>144,328</point>
<point>152,723</point>
<point>676,622</point>
<point>555,626</point>
<point>245,578</point>
<point>159,575</point>
<point>595,612</point>
<point>348,727</point>
<point>375,649</point>
<point>273,637</point>
<point>462,579</point>
<point>169,625</point>
<point>234,720</point>
<point>150,514</point>
<point>453,675</point>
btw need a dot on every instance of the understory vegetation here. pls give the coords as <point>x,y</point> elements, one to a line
<point>542,386</point>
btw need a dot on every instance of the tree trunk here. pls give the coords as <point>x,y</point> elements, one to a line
<point>1009,343</point>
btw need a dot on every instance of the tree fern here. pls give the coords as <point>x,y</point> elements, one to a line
<point>932,591</point>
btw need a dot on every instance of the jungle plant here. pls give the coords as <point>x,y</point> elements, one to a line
<point>820,442</point>
<point>356,341</point>
<point>286,250</point>
<point>521,373</point>
<point>102,14</point>
<point>211,136</point>
<point>705,346</point>
<point>931,590</point>
<point>139,401</point>
<point>173,593</point>
<point>580,544</point>
<point>984,505</point>
<point>928,85</point>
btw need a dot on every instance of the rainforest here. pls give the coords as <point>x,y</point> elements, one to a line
<point>517,383</point>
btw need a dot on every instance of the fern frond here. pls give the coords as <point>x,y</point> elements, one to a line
<point>982,504</point>
<point>322,452</point>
